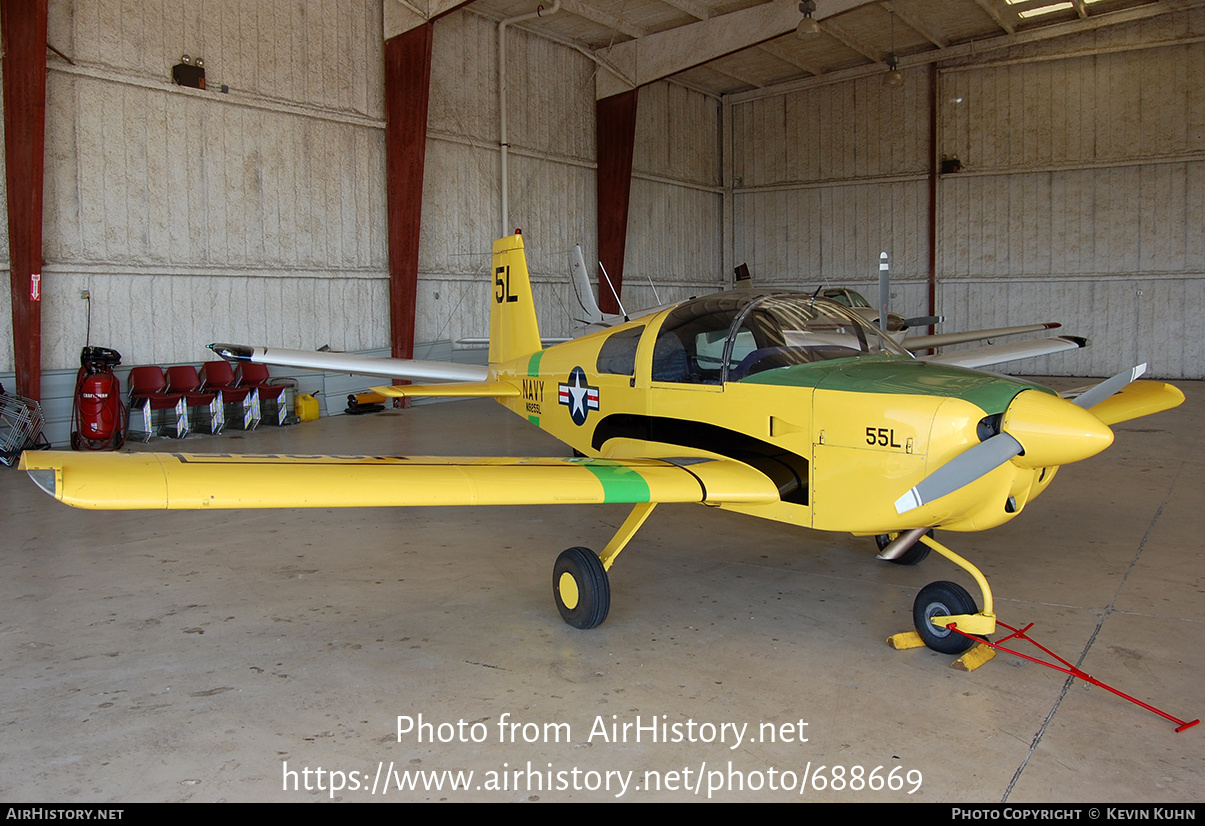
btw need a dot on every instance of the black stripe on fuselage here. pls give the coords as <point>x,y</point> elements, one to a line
<point>788,471</point>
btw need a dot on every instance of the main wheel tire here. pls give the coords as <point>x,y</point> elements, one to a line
<point>942,599</point>
<point>581,588</point>
<point>913,556</point>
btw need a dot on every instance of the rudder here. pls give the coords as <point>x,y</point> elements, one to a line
<point>514,332</point>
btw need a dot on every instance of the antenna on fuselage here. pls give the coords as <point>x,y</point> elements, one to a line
<point>622,311</point>
<point>656,296</point>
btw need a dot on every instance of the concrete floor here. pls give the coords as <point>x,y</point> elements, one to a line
<point>153,656</point>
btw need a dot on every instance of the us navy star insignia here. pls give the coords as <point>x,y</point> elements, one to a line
<point>578,396</point>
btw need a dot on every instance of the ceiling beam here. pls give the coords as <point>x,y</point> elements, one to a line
<point>695,10</point>
<point>907,14</point>
<point>720,68</point>
<point>400,16</point>
<point>595,15</point>
<point>865,49</point>
<point>783,52</point>
<point>989,6</point>
<point>666,53</point>
<point>979,48</point>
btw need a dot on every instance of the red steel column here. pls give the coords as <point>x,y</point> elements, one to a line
<point>407,90</point>
<point>23,33</point>
<point>615,128</point>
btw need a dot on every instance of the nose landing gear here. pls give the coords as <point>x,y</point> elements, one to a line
<point>942,606</point>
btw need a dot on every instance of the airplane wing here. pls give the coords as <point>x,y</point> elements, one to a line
<point>186,481</point>
<point>1141,398</point>
<point>914,343</point>
<point>412,369</point>
<point>1000,353</point>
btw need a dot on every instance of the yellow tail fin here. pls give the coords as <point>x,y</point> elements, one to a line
<point>514,332</point>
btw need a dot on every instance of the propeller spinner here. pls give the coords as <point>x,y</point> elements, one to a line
<point>1038,430</point>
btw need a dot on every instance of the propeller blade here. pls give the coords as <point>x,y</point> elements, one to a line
<point>963,469</point>
<point>1097,394</point>
<point>1038,430</point>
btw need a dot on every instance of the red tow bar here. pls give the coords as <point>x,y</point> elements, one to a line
<point>1019,633</point>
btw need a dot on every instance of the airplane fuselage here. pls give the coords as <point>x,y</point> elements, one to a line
<point>841,437</point>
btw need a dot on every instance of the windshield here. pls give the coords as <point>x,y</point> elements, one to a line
<point>850,298</point>
<point>731,336</point>
<point>784,330</point>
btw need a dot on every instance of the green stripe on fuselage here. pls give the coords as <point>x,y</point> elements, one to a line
<point>533,364</point>
<point>620,484</point>
<point>533,371</point>
<point>901,376</point>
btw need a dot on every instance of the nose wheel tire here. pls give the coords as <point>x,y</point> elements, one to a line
<point>913,556</point>
<point>942,599</point>
<point>581,588</point>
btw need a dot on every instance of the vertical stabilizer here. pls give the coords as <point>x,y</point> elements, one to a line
<point>514,332</point>
<point>582,286</point>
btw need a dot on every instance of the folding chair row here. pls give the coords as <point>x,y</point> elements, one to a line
<point>179,400</point>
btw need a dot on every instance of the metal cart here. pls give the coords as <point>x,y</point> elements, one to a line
<point>21,424</point>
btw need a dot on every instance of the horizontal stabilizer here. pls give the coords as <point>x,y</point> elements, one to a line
<point>390,368</point>
<point>1000,353</point>
<point>186,481</point>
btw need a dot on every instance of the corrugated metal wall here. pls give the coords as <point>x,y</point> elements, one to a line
<point>826,178</point>
<point>675,230</point>
<point>259,215</point>
<point>1081,199</point>
<point>195,215</point>
<point>1082,195</point>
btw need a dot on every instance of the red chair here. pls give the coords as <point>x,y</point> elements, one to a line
<point>154,410</point>
<point>204,407</point>
<point>241,403</point>
<point>272,397</point>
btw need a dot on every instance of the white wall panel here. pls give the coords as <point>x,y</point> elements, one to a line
<point>826,178</point>
<point>675,231</point>
<point>1081,200</point>
<point>1081,197</point>
<point>189,215</point>
<point>550,109</point>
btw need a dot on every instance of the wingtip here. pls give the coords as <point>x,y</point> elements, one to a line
<point>232,352</point>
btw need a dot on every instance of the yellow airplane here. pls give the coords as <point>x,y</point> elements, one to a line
<point>780,405</point>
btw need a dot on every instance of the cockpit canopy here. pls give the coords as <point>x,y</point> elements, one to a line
<point>730,336</point>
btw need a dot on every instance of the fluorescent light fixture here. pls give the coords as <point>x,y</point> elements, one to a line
<point>1043,10</point>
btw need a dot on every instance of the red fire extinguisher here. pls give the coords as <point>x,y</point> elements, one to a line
<point>98,416</point>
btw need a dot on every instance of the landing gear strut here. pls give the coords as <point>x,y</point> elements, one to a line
<point>914,555</point>
<point>580,585</point>
<point>942,606</point>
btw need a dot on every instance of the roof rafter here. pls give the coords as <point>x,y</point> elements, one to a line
<point>595,15</point>
<point>695,10</point>
<point>865,49</point>
<point>906,14</point>
<point>781,51</point>
<point>400,16</point>
<point>994,13</point>
<point>666,53</point>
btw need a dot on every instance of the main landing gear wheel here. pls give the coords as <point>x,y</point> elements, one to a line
<point>913,556</point>
<point>581,588</point>
<point>942,599</point>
